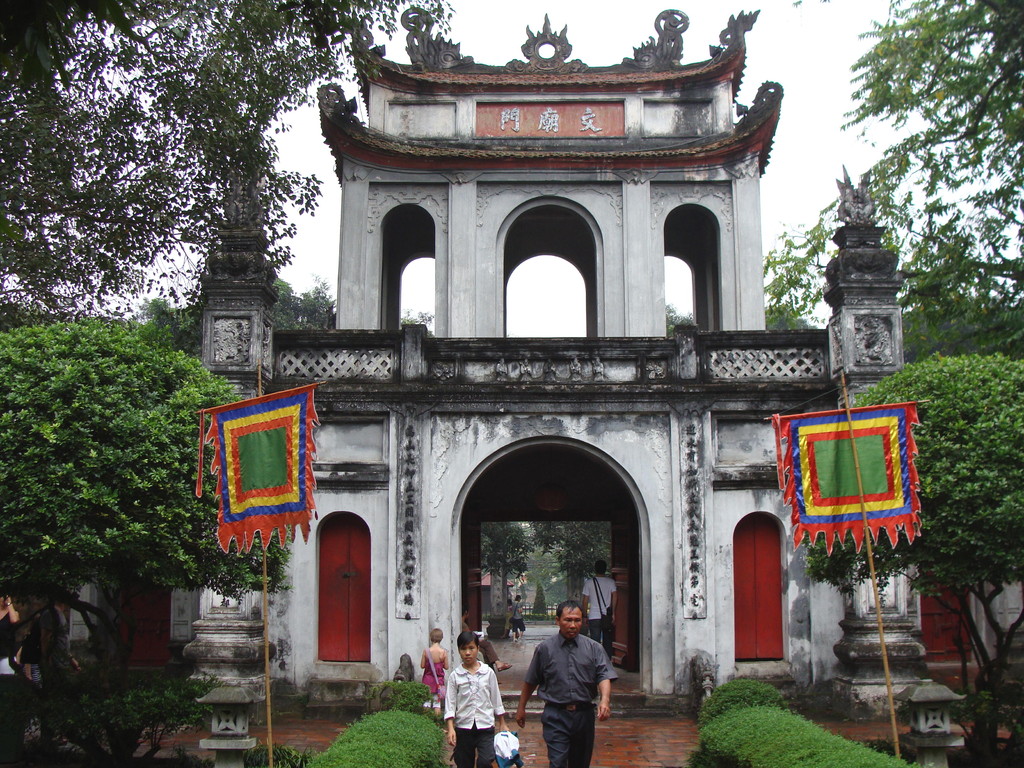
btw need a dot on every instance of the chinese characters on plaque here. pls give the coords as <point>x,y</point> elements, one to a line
<point>550,120</point>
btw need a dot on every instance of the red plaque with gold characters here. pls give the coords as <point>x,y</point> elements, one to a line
<point>550,120</point>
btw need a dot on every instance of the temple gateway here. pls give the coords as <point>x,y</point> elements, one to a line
<point>427,437</point>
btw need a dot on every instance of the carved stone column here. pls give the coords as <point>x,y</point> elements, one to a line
<point>866,342</point>
<point>229,642</point>
<point>237,331</point>
<point>859,688</point>
<point>861,285</point>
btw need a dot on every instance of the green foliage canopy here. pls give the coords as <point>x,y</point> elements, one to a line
<point>970,443</point>
<point>948,77</point>
<point>114,176</point>
<point>98,439</point>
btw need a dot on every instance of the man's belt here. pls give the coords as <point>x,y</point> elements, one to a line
<point>572,706</point>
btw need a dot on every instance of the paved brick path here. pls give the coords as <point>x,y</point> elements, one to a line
<point>633,742</point>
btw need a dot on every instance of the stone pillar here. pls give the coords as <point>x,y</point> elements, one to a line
<point>237,344</point>
<point>861,286</point>
<point>237,331</point>
<point>859,687</point>
<point>866,343</point>
<point>229,642</point>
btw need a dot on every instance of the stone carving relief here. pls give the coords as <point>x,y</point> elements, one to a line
<point>547,52</point>
<point>667,51</point>
<point>426,51</point>
<point>856,207</point>
<point>383,198</point>
<point>732,36</point>
<point>521,193</point>
<point>232,338</point>
<point>332,102</point>
<point>694,595</point>
<point>717,198</point>
<point>655,369</point>
<point>873,340</point>
<point>443,370</point>
<point>244,207</point>
<point>407,604</point>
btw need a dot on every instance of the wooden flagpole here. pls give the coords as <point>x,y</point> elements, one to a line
<point>266,632</point>
<point>266,664</point>
<point>871,569</point>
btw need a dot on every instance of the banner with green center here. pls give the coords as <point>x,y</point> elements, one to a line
<point>263,459</point>
<point>818,457</point>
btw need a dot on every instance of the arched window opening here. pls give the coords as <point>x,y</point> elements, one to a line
<point>417,302</point>
<point>407,235</point>
<point>678,294</point>
<point>691,234</point>
<point>545,297</point>
<point>551,303</point>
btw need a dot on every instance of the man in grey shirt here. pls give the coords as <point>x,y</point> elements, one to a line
<point>570,670</point>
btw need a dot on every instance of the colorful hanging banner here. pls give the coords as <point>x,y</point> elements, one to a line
<point>263,459</point>
<point>818,476</point>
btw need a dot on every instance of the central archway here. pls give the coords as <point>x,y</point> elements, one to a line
<point>559,481</point>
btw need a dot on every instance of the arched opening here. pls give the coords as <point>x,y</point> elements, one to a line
<point>554,230</point>
<point>545,296</point>
<point>691,234</point>
<point>678,293</point>
<point>418,299</point>
<point>556,482</point>
<point>407,234</point>
<point>344,589</point>
<point>757,588</point>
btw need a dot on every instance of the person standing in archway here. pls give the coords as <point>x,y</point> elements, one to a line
<point>599,601</point>
<point>570,670</point>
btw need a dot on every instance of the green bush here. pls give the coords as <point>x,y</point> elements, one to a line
<point>284,757</point>
<point>109,720</point>
<point>393,739</point>
<point>400,696</point>
<point>768,737</point>
<point>738,693</point>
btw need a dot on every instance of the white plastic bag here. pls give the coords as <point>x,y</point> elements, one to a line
<point>506,744</point>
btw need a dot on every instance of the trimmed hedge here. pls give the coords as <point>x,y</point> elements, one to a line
<point>739,693</point>
<point>401,695</point>
<point>393,739</point>
<point>767,737</point>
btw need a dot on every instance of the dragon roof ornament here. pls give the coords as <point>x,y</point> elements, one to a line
<point>667,51</point>
<point>426,51</point>
<point>547,52</point>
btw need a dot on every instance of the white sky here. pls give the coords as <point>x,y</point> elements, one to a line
<point>808,48</point>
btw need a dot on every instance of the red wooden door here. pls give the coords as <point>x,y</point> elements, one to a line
<point>757,588</point>
<point>344,613</point>
<point>151,612</point>
<point>625,561</point>
<point>941,630</point>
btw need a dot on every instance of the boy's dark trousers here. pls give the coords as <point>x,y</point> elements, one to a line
<point>474,741</point>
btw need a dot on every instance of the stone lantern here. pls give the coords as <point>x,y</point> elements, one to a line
<point>229,731</point>
<point>930,730</point>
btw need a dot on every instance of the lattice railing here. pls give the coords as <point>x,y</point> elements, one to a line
<point>322,364</point>
<point>792,363</point>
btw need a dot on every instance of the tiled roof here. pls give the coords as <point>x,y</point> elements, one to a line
<point>347,137</point>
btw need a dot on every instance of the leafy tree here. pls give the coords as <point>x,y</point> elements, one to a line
<point>313,308</point>
<point>504,552</point>
<point>948,75</point>
<point>970,442</point>
<point>114,176</point>
<point>673,318</point>
<point>97,467</point>
<point>576,544</point>
<point>539,600</point>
